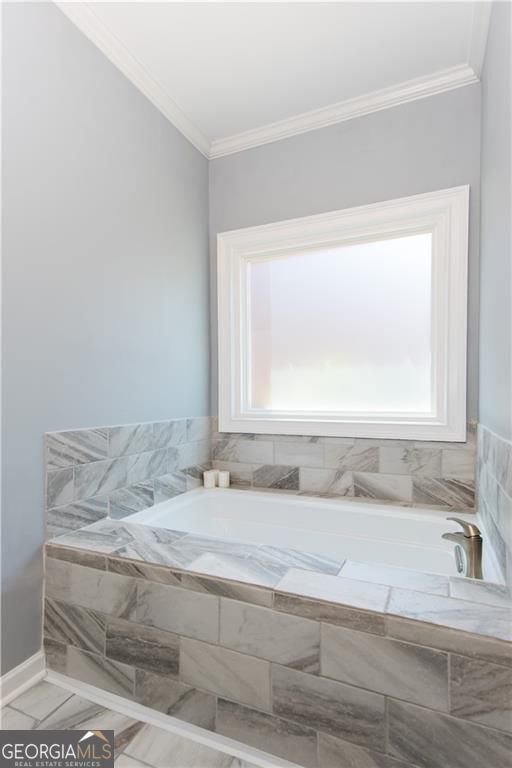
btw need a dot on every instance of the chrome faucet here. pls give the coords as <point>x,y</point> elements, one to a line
<point>469,542</point>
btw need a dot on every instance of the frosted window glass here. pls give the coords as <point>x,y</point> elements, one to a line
<point>344,329</point>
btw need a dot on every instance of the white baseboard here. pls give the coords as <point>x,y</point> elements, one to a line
<point>22,677</point>
<point>166,722</point>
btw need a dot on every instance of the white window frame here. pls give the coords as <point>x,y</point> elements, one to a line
<point>444,213</point>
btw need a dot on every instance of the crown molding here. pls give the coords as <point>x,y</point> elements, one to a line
<point>411,90</point>
<point>83,17</point>
<point>479,32</point>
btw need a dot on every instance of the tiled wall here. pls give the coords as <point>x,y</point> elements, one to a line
<point>401,471</point>
<point>320,684</point>
<point>495,495</point>
<point>115,471</point>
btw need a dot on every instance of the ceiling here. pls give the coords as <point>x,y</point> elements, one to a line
<point>235,75</point>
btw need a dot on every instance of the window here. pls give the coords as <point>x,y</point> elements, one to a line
<point>351,323</point>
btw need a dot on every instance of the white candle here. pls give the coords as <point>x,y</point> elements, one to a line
<point>209,478</point>
<point>223,479</point>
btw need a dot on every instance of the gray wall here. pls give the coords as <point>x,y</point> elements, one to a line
<point>418,147</point>
<point>105,273</point>
<point>496,250</point>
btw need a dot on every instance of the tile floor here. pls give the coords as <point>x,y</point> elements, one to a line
<point>137,744</point>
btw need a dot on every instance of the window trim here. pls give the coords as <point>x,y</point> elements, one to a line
<point>445,214</point>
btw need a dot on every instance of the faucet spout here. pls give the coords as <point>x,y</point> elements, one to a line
<point>468,548</point>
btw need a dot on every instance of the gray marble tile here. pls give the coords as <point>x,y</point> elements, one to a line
<point>169,433</point>
<point>456,614</point>
<point>70,517</point>
<point>103,673</point>
<point>143,647</point>
<point>396,577</point>
<point>208,544</point>
<point>280,477</point>
<point>240,474</point>
<point>124,761</point>
<point>410,461</point>
<point>293,558</point>
<point>128,439</point>
<point>356,457</point>
<point>154,545</point>
<point>126,501</point>
<point>328,482</point>
<point>12,720</point>
<point>319,586</point>
<point>140,570</point>
<point>59,487</point>
<point>300,454</point>
<point>73,625</point>
<point>100,477</point>
<point>192,454</point>
<point>481,592</point>
<point>199,428</point>
<point>243,451</point>
<point>225,673</point>
<point>176,699</point>
<point>335,753</point>
<point>173,458</point>
<point>452,492</point>
<point>338,615</point>
<point>458,463</point>
<point>494,535</point>
<point>481,692</point>
<point>169,485</point>
<point>432,740</point>
<point>78,556</point>
<point>406,671</point>
<point>125,728</point>
<point>176,610</point>
<point>71,714</point>
<point>233,590</point>
<point>243,569</point>
<point>380,486</point>
<point>76,446</point>
<point>146,466</point>
<point>91,588</point>
<point>55,655</point>
<point>328,706</point>
<point>162,748</point>
<point>267,634</point>
<point>40,700</point>
<point>105,537</point>
<point>264,731</point>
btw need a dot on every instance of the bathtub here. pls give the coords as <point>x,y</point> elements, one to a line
<point>341,529</point>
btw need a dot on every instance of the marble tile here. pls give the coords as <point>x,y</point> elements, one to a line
<point>293,558</point>
<point>338,615</point>
<point>243,569</point>
<point>169,485</point>
<point>331,707</point>
<point>243,451</point>
<point>101,672</point>
<point>276,476</point>
<point>456,614</point>
<point>126,501</point>
<point>335,753</point>
<point>129,439</point>
<point>264,731</point>
<point>355,457</point>
<point>140,570</point>
<point>381,486</point>
<point>155,545</point>
<point>162,748</point>
<point>169,433</point>
<point>91,588</point>
<point>59,487</point>
<point>452,492</point>
<point>328,482</point>
<point>406,671</point>
<point>124,761</point>
<point>396,577</point>
<point>481,592</point>
<point>240,474</point>
<point>458,463</point>
<point>175,610</point>
<point>78,556</point>
<point>40,700</point>
<point>100,477</point>
<point>70,517</point>
<point>299,454</point>
<point>125,728</point>
<point>198,545</point>
<point>410,461</point>
<point>230,589</point>
<point>432,740</point>
<point>494,536</point>
<point>481,692</point>
<point>191,454</point>
<point>72,625</point>
<point>175,699</point>
<point>76,446</point>
<point>143,647</point>
<point>267,634</point>
<point>225,673</point>
<point>319,586</point>
<point>105,537</point>
<point>198,428</point>
<point>12,720</point>
<point>71,714</point>
<point>55,655</point>
<point>146,466</point>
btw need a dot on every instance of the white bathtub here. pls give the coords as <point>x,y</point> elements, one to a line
<point>341,529</point>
